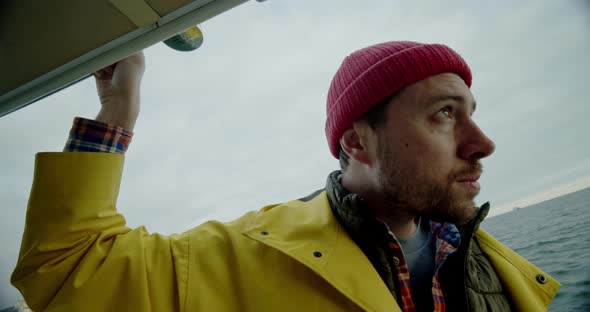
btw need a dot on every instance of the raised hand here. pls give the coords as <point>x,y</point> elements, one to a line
<point>118,87</point>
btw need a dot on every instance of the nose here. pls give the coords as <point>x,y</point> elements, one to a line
<point>475,144</point>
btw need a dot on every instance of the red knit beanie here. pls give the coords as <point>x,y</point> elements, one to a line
<point>368,76</point>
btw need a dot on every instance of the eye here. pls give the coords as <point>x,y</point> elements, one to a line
<point>445,113</point>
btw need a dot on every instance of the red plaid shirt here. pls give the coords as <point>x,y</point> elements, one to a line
<point>94,136</point>
<point>448,239</point>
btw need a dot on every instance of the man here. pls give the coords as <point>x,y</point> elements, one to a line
<point>395,230</point>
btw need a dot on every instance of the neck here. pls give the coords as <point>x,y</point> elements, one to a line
<point>401,223</point>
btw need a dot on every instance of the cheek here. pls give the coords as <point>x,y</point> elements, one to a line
<point>427,158</point>
<point>422,149</point>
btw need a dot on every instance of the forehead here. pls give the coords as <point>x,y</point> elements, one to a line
<point>446,86</point>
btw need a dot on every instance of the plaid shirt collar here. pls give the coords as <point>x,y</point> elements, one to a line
<point>382,247</point>
<point>448,239</point>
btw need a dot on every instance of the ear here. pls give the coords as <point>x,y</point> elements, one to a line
<point>354,143</point>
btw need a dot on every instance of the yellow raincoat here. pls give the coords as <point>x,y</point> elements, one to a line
<point>78,255</point>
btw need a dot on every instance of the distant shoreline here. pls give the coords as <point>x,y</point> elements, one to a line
<point>519,208</point>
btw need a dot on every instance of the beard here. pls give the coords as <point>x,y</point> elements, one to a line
<point>414,189</point>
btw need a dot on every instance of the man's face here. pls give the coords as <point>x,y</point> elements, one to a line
<point>428,151</point>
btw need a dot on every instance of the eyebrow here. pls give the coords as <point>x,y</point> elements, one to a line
<point>456,98</point>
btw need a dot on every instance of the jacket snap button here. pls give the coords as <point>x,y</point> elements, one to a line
<point>317,254</point>
<point>264,233</point>
<point>541,279</point>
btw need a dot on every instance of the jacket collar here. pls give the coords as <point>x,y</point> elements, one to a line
<point>469,229</point>
<point>370,235</point>
<point>308,232</point>
<point>348,207</point>
<point>301,229</point>
<point>530,288</point>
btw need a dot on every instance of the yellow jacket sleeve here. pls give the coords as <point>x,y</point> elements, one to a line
<point>77,254</point>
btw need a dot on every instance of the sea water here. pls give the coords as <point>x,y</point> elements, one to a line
<point>555,236</point>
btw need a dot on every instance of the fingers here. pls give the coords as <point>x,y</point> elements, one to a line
<point>105,73</point>
<point>135,61</point>
<point>137,58</point>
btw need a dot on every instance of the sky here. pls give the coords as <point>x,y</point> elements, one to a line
<point>239,123</point>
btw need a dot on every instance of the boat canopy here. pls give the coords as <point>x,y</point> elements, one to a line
<point>46,46</point>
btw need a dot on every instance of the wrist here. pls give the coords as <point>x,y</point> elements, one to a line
<point>119,117</point>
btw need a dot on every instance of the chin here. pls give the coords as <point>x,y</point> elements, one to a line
<point>461,207</point>
<point>454,212</point>
<point>463,213</point>
<point>467,215</point>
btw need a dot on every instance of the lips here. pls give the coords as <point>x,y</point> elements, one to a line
<point>470,182</point>
<point>470,178</point>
